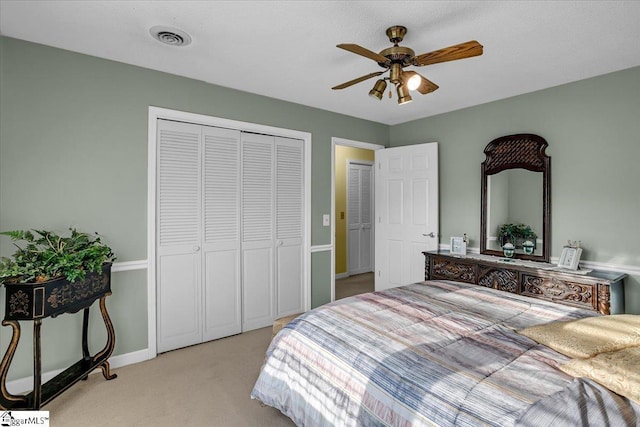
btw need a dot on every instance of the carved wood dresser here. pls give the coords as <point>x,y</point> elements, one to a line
<point>601,291</point>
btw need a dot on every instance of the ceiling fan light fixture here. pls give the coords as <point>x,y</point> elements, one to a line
<point>378,89</point>
<point>414,81</point>
<point>403,95</point>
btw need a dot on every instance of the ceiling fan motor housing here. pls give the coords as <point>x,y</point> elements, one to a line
<point>397,54</point>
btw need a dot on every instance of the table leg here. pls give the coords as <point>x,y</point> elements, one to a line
<point>85,327</point>
<point>37,364</point>
<point>102,356</point>
<point>8,400</point>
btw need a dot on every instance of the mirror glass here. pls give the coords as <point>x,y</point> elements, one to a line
<point>514,196</point>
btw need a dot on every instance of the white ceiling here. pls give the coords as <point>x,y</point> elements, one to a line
<point>286,49</point>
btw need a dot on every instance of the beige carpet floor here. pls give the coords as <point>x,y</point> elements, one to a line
<point>353,285</point>
<point>203,385</point>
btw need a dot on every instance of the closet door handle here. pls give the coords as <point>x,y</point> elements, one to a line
<point>196,248</point>
<point>280,242</point>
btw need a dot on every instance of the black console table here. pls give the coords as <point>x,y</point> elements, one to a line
<point>36,301</point>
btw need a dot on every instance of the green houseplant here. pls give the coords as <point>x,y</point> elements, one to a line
<point>50,275</point>
<point>516,234</point>
<point>45,256</point>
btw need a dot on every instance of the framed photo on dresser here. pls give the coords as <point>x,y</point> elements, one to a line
<point>570,257</point>
<point>458,246</point>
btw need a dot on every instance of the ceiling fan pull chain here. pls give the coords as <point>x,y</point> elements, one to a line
<point>390,95</point>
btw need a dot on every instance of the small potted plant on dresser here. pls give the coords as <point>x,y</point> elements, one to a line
<point>47,276</point>
<point>519,235</point>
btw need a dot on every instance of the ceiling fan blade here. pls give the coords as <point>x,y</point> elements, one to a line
<point>426,85</point>
<point>451,53</point>
<point>358,80</point>
<point>354,48</point>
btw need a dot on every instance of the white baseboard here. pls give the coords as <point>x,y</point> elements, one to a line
<point>22,385</point>
<point>342,276</point>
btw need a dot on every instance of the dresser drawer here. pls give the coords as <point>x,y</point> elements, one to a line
<point>453,270</point>
<point>568,292</point>
<point>498,278</point>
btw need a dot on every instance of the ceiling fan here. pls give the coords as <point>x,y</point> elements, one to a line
<point>396,58</point>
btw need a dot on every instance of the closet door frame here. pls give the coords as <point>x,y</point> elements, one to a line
<point>156,113</point>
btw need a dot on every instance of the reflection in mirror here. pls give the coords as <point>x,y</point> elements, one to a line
<point>514,196</point>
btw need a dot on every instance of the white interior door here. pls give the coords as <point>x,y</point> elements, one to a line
<point>221,233</point>
<point>258,293</point>
<point>289,207</point>
<point>406,209</point>
<point>359,217</point>
<point>179,294</point>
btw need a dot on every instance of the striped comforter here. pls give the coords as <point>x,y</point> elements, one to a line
<point>437,353</point>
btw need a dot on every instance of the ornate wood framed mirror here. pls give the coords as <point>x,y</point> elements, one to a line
<point>516,197</point>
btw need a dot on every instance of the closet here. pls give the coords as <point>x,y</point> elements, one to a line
<point>229,247</point>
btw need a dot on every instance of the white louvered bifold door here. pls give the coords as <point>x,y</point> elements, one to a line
<point>359,216</point>
<point>366,217</point>
<point>230,221</point>
<point>289,180</point>
<point>353,217</point>
<point>179,293</point>
<point>258,293</point>
<point>221,233</point>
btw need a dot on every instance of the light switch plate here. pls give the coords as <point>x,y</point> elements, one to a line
<point>326,220</point>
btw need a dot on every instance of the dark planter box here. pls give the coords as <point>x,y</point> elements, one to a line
<point>29,301</point>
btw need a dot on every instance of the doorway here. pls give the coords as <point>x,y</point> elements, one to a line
<point>405,212</point>
<point>354,285</point>
<point>350,278</point>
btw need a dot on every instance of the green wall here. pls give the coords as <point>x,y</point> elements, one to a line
<point>73,153</point>
<point>593,130</point>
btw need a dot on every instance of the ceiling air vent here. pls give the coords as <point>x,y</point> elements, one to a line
<point>170,36</point>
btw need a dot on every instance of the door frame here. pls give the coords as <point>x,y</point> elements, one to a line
<point>156,113</point>
<point>346,143</point>
<point>371,208</point>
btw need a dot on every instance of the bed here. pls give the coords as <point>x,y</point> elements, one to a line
<point>435,353</point>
